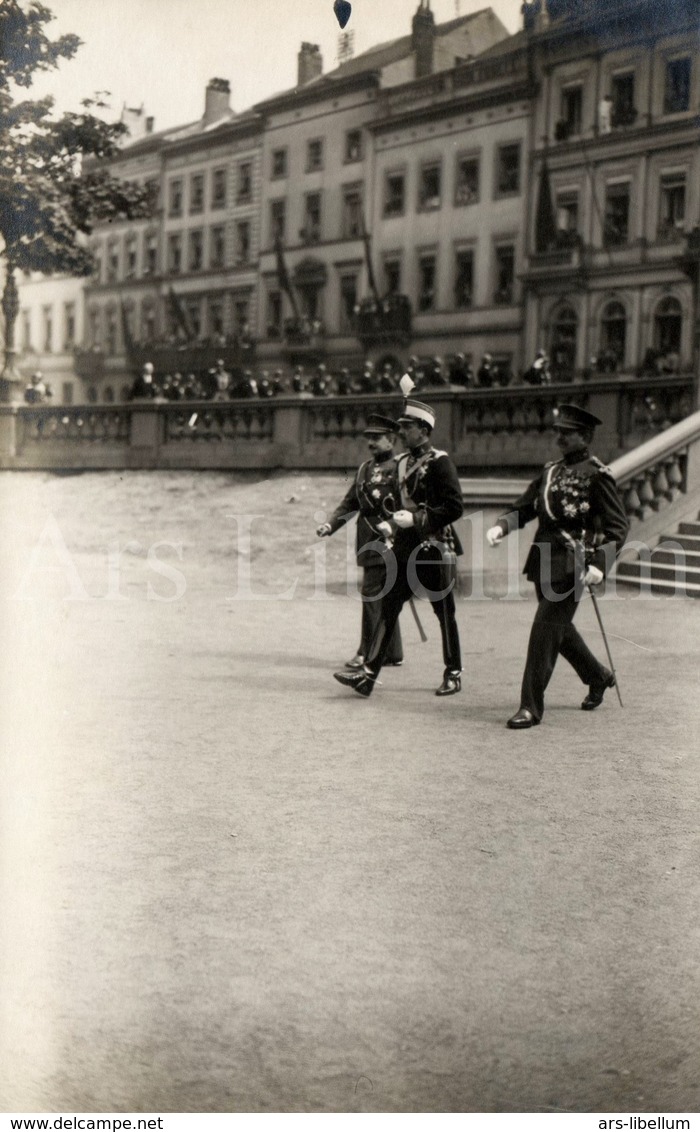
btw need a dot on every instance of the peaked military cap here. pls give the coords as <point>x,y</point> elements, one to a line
<point>571,418</point>
<point>416,411</point>
<point>377,425</point>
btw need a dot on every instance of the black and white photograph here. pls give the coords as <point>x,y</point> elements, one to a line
<point>350,559</point>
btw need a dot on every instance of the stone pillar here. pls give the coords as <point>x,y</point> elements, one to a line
<point>8,436</point>
<point>288,434</point>
<point>145,435</point>
<point>11,379</point>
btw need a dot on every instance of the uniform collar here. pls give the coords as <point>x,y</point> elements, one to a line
<point>421,450</point>
<point>575,457</point>
<point>382,457</point>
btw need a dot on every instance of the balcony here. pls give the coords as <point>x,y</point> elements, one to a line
<point>384,320</point>
<point>304,340</point>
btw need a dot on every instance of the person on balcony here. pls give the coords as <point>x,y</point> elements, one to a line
<point>485,375</point>
<point>461,373</point>
<point>321,384</point>
<point>247,387</point>
<point>373,484</point>
<point>343,382</point>
<point>37,390</point>
<point>298,380</point>
<point>427,501</point>
<point>582,527</point>
<point>387,381</point>
<point>539,372</point>
<point>144,387</point>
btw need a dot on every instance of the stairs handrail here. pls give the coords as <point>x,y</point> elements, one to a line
<point>651,451</point>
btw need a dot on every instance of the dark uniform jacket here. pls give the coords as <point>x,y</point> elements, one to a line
<point>374,483</point>
<point>428,485</point>
<point>581,517</point>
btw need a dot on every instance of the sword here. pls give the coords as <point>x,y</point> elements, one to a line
<point>605,640</point>
<point>416,618</point>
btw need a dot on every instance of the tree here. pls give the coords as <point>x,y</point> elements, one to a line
<point>54,181</point>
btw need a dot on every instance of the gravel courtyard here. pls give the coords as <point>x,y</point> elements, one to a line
<point>228,884</point>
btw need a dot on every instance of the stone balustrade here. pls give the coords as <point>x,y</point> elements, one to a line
<point>484,429</point>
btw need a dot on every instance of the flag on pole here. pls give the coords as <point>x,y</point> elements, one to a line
<point>545,220</point>
<point>283,278</point>
<point>368,260</point>
<point>126,331</point>
<point>179,314</point>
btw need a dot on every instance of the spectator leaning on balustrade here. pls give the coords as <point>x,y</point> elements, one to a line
<point>37,390</point>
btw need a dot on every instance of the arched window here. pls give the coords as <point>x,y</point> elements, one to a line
<point>668,320</point>
<point>613,337</point>
<point>563,343</point>
<point>108,395</point>
<point>125,393</point>
<point>92,395</point>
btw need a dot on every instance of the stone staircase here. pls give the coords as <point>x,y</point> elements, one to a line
<point>671,568</point>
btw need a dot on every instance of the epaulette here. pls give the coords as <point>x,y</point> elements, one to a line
<point>600,466</point>
<point>438,452</point>
<point>551,464</point>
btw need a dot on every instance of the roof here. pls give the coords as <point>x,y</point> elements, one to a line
<point>382,55</point>
<point>375,58</point>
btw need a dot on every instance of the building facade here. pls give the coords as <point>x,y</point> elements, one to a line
<point>616,152</point>
<point>504,193</point>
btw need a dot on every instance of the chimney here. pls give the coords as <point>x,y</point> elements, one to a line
<point>217,101</point>
<point>150,122</point>
<point>423,39</point>
<point>309,63</point>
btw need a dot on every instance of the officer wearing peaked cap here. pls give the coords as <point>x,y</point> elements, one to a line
<point>582,526</point>
<point>428,501</point>
<point>373,484</point>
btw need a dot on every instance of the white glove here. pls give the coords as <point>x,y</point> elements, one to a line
<point>324,530</point>
<point>593,576</point>
<point>384,529</point>
<point>494,536</point>
<point>403,519</point>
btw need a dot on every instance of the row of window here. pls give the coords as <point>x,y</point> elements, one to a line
<point>666,337</point>
<point>196,186</point>
<point>619,107</point>
<point>205,316</point>
<point>47,330</point>
<point>315,154</point>
<point>199,249</point>
<point>618,200</point>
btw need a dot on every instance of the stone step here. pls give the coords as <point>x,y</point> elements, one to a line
<point>688,542</point>
<point>659,580</point>
<point>682,558</point>
<point>495,491</point>
<point>690,528</point>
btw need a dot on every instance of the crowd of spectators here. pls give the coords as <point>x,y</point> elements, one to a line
<point>218,384</point>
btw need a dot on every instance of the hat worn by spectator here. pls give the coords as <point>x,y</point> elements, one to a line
<point>571,418</point>
<point>417,411</point>
<point>377,425</point>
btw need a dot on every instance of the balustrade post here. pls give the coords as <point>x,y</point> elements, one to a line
<point>288,433</point>
<point>146,434</point>
<point>8,435</point>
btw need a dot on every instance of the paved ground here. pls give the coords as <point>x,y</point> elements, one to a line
<point>229,885</point>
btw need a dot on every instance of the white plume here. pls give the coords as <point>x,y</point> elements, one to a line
<point>406,384</point>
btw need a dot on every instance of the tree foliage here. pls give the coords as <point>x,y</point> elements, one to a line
<point>54,181</point>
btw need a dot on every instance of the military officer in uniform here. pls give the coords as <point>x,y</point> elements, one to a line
<point>374,482</point>
<point>582,527</point>
<point>428,500</point>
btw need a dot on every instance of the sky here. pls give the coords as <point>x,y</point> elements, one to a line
<point>162,53</point>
